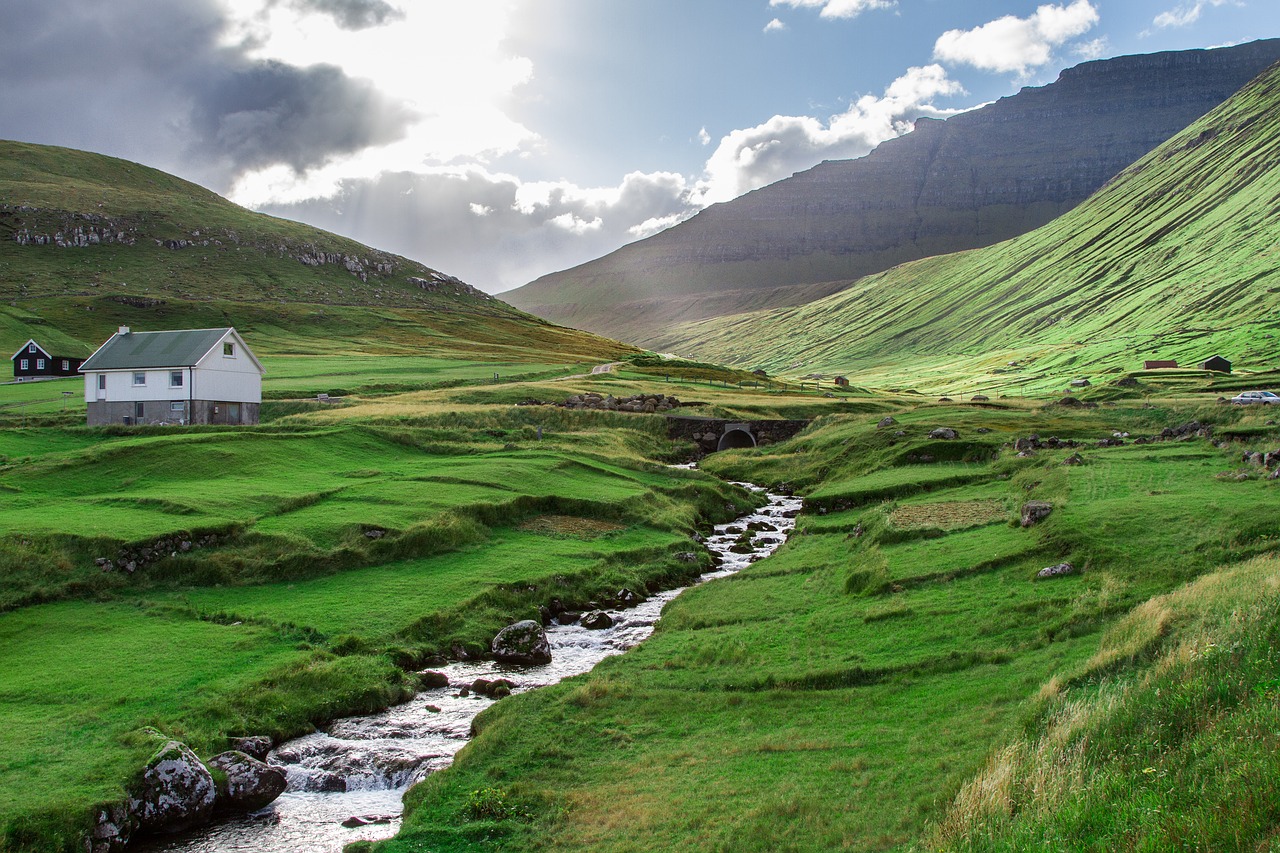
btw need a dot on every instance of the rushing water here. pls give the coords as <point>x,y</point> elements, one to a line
<point>361,766</point>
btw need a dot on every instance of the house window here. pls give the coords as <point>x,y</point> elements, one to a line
<point>39,364</point>
<point>31,347</point>
<point>66,365</point>
<point>175,378</point>
<point>229,349</point>
<point>102,381</point>
<point>177,406</point>
<point>22,364</point>
<point>139,412</point>
<point>139,378</point>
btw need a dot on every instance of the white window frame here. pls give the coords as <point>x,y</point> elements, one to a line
<point>175,378</point>
<point>228,349</point>
<point>139,382</point>
<point>22,364</point>
<point>39,364</point>
<point>102,381</point>
<point>178,406</point>
<point>31,347</point>
<point>66,364</point>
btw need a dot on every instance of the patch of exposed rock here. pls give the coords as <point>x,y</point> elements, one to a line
<point>639,403</point>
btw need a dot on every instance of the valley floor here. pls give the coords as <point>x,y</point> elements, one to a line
<point>896,677</point>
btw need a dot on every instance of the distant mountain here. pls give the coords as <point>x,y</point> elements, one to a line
<point>1177,258</point>
<point>970,181</point>
<point>88,242</point>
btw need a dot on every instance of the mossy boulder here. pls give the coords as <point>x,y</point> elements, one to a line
<point>524,643</point>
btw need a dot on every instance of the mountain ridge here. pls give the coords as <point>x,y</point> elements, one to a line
<point>1177,257</point>
<point>974,179</point>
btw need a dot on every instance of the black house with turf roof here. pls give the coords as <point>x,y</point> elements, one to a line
<point>33,361</point>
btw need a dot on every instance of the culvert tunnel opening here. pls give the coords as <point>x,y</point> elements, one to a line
<point>736,438</point>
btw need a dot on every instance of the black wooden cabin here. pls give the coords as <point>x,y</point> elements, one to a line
<point>32,361</point>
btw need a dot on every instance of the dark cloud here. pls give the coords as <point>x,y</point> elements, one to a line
<point>266,113</point>
<point>352,14</point>
<point>153,82</point>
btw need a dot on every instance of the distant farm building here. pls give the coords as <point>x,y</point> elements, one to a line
<point>1216,363</point>
<point>189,376</point>
<point>33,361</point>
<point>842,381</point>
<point>1158,365</point>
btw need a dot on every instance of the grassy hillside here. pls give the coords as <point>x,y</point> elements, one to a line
<point>88,242</point>
<point>1177,258</point>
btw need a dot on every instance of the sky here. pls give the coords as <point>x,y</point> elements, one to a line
<point>500,140</point>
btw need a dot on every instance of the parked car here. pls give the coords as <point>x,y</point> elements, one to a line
<point>1246,397</point>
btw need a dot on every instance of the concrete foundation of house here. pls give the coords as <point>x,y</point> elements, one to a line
<point>101,412</point>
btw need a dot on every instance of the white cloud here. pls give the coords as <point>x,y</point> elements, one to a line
<point>1017,44</point>
<point>752,157</point>
<point>527,228</point>
<point>774,26</point>
<point>455,116</point>
<point>1186,14</point>
<point>837,8</point>
<point>704,137</point>
<point>1095,49</point>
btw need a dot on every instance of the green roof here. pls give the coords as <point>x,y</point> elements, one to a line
<point>181,348</point>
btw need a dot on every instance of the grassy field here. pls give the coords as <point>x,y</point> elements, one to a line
<point>854,690</point>
<point>284,575</point>
<point>861,688</point>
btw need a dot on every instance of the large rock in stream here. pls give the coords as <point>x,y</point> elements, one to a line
<point>250,784</point>
<point>524,643</point>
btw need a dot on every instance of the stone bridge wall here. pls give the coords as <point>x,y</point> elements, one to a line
<point>712,434</point>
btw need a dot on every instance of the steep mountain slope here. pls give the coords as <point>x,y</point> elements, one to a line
<point>87,242</point>
<point>973,180</point>
<point>1177,258</point>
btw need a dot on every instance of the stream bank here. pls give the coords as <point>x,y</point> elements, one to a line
<point>345,783</point>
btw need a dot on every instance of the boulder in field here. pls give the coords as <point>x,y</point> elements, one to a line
<point>1033,512</point>
<point>1056,571</point>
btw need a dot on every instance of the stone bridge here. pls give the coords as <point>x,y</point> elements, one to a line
<point>712,434</point>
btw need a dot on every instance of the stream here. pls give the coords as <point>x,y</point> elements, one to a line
<point>360,767</point>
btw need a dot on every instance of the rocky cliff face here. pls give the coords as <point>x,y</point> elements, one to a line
<point>973,180</point>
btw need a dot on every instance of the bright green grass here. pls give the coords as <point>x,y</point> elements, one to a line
<point>830,718</point>
<point>394,595</point>
<point>295,376</point>
<point>897,481</point>
<point>317,484</point>
<point>46,397</point>
<point>293,502</point>
<point>79,676</point>
<point>1177,751</point>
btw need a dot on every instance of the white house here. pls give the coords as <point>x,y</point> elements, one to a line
<point>189,376</point>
